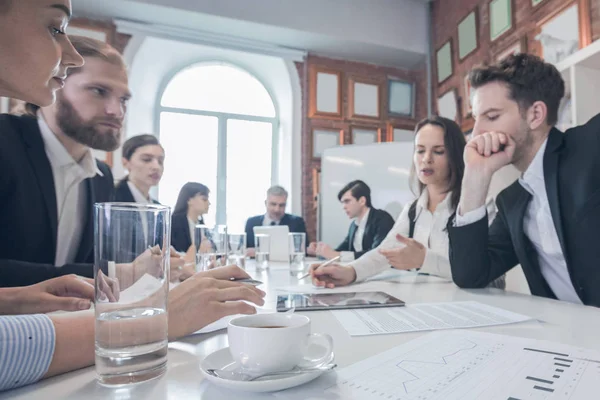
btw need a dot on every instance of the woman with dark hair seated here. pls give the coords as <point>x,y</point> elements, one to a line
<point>419,238</point>
<point>192,204</point>
<point>143,157</point>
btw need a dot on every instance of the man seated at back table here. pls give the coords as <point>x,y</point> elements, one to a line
<point>276,203</point>
<point>367,231</point>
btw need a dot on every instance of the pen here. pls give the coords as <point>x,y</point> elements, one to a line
<point>334,259</point>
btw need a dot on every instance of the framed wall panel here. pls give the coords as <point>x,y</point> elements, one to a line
<point>401,98</point>
<point>468,28</point>
<point>501,18</point>
<point>466,98</point>
<point>519,46</point>
<point>400,133</point>
<point>564,31</point>
<point>366,135</point>
<point>448,105</point>
<point>364,99</point>
<point>325,88</point>
<point>325,138</point>
<point>444,61</point>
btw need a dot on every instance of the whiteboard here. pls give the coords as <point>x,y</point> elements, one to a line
<point>385,167</point>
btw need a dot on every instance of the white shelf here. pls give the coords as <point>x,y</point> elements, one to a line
<point>588,57</point>
<point>581,73</point>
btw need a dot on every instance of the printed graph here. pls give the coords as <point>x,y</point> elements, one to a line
<point>423,372</point>
<point>470,365</point>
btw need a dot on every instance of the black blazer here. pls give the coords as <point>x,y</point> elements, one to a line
<point>28,211</point>
<point>295,223</point>
<point>123,193</point>
<point>479,255</point>
<point>378,225</point>
<point>180,232</point>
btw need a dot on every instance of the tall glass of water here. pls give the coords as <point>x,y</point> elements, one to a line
<point>221,246</point>
<point>131,273</point>
<point>262,249</point>
<point>237,249</point>
<point>297,252</point>
<point>203,245</point>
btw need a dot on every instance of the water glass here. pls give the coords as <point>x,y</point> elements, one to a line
<point>215,255</point>
<point>262,249</point>
<point>131,274</point>
<point>237,249</point>
<point>203,244</point>
<point>297,252</point>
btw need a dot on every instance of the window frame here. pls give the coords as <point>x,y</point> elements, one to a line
<point>220,192</point>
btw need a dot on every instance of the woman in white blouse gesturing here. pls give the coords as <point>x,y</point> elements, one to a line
<point>437,174</point>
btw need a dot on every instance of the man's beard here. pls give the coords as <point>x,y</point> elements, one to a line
<point>85,132</point>
<point>524,144</point>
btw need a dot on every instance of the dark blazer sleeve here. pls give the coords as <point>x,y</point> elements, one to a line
<point>21,273</point>
<point>300,227</point>
<point>179,239</point>
<point>383,225</point>
<point>479,254</point>
<point>250,224</point>
<point>345,245</point>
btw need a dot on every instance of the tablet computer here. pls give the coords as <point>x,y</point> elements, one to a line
<point>336,301</point>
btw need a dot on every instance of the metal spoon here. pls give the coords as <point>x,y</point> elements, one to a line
<point>242,376</point>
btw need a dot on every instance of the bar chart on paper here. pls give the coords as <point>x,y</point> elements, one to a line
<point>470,365</point>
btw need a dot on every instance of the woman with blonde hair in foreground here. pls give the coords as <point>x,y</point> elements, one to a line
<point>35,54</point>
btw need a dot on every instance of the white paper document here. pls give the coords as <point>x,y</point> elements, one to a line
<point>424,317</point>
<point>464,365</point>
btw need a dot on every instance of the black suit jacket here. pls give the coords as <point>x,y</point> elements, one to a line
<point>28,211</point>
<point>378,226</point>
<point>180,232</point>
<point>479,255</point>
<point>295,223</point>
<point>123,193</point>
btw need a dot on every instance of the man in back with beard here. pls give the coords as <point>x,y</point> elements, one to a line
<point>50,179</point>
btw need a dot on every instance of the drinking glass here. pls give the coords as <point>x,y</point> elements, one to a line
<point>131,274</point>
<point>261,250</point>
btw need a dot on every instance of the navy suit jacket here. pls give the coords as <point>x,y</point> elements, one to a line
<point>28,211</point>
<point>378,226</point>
<point>295,223</point>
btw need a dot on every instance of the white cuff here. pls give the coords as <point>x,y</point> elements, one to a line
<point>470,217</point>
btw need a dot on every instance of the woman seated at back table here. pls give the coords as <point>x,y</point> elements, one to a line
<point>419,238</point>
<point>143,157</point>
<point>192,204</point>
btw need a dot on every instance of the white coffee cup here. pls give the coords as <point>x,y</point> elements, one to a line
<point>265,343</point>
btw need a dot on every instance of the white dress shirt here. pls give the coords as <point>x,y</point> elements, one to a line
<point>267,221</point>
<point>192,227</point>
<point>138,196</point>
<point>538,226</point>
<point>430,230</point>
<point>71,193</point>
<point>358,237</point>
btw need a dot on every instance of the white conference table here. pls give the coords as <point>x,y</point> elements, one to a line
<point>553,320</point>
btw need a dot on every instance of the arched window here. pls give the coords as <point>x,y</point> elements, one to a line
<point>218,125</point>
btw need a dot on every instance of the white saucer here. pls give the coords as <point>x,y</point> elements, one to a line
<point>222,358</point>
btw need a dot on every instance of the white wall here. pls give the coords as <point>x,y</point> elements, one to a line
<point>391,23</point>
<point>153,61</point>
<point>383,32</point>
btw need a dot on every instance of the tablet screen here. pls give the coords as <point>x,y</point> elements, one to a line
<point>336,301</point>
